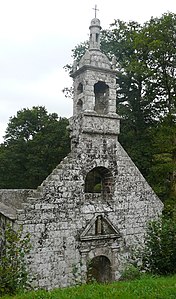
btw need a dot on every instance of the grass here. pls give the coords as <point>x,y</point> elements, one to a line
<point>146,287</point>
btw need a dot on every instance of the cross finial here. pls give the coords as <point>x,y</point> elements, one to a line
<point>96,9</point>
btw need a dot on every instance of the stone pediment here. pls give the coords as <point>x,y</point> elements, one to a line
<point>100,227</point>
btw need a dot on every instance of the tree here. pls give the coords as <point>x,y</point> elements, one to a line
<point>146,58</point>
<point>27,124</point>
<point>35,142</point>
<point>162,174</point>
<point>159,255</point>
<point>13,271</point>
<point>161,38</point>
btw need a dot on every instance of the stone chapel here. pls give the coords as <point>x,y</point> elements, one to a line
<point>95,205</point>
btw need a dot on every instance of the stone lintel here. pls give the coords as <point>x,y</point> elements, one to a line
<point>99,237</point>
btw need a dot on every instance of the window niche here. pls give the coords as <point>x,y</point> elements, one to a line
<point>97,37</point>
<point>101,91</point>
<point>80,88</point>
<point>99,180</point>
<point>79,105</point>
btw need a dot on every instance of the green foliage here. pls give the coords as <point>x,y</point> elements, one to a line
<point>146,67</point>
<point>27,124</point>
<point>13,273</point>
<point>130,272</point>
<point>159,256</point>
<point>162,171</point>
<point>97,188</point>
<point>76,271</point>
<point>146,93</point>
<point>170,208</point>
<point>144,288</point>
<point>35,142</point>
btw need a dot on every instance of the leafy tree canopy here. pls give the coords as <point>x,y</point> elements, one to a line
<point>159,255</point>
<point>27,123</point>
<point>35,142</point>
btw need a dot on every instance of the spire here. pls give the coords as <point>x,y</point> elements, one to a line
<point>94,41</point>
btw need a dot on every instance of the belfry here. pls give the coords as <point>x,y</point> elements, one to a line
<point>95,205</point>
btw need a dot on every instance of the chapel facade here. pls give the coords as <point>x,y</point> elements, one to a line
<point>95,205</point>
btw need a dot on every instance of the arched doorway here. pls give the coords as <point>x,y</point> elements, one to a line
<point>99,269</point>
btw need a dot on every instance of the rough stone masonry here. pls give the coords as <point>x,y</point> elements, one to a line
<point>95,205</point>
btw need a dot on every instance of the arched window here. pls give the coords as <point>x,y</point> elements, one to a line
<point>80,88</point>
<point>101,91</point>
<point>99,180</point>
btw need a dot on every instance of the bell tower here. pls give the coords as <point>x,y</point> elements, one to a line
<point>94,83</point>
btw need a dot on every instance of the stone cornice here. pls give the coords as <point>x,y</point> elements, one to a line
<point>92,68</point>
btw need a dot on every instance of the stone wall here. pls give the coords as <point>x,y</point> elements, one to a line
<point>15,197</point>
<point>59,218</point>
<point>11,200</point>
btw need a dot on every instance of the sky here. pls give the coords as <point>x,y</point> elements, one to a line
<point>36,39</point>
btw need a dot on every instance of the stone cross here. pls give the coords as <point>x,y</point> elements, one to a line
<point>96,9</point>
